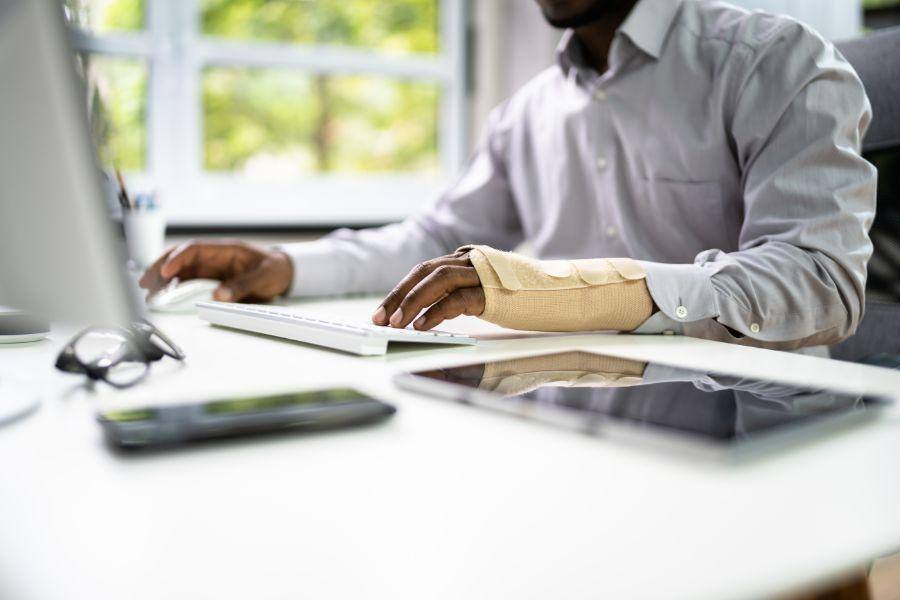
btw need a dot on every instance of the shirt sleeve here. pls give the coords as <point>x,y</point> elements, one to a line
<point>478,208</point>
<point>798,276</point>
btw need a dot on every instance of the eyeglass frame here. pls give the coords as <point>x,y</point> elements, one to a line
<point>136,347</point>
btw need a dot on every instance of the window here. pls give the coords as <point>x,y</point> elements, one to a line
<point>277,111</point>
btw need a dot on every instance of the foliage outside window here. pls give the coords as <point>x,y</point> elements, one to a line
<point>273,90</point>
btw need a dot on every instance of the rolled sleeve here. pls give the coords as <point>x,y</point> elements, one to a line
<point>314,269</point>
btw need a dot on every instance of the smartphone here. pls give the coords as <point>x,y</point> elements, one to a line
<point>165,426</point>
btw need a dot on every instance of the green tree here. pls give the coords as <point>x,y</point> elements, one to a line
<point>396,26</point>
<point>324,123</point>
<point>313,123</point>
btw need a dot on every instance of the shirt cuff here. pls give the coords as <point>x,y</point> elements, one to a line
<point>661,374</point>
<point>683,293</point>
<point>659,322</point>
<point>314,268</point>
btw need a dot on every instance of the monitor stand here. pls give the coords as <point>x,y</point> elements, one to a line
<point>18,327</point>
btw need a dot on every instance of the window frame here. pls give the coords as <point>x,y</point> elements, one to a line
<point>176,52</point>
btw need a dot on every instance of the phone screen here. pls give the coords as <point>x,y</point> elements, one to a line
<point>148,427</point>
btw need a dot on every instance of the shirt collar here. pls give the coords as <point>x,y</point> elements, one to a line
<point>647,26</point>
<point>649,23</point>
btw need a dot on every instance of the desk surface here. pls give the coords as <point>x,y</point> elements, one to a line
<point>443,501</point>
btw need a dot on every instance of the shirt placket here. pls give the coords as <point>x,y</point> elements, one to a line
<point>600,136</point>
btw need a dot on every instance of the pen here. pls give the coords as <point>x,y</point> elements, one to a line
<point>124,199</point>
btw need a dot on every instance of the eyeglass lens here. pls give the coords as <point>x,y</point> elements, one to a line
<point>110,355</point>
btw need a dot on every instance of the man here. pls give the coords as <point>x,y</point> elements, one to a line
<point>715,151</point>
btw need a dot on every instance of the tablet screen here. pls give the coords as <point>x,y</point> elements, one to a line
<point>589,392</point>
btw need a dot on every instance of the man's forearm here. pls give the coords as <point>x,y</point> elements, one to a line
<point>370,260</point>
<point>561,295</point>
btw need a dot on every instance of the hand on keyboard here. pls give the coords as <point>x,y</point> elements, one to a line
<point>447,287</point>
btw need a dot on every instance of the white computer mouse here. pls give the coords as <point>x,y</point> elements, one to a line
<point>183,296</point>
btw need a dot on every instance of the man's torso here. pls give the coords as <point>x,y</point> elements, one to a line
<point>640,161</point>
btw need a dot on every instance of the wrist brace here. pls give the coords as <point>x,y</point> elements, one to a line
<point>570,369</point>
<point>561,295</point>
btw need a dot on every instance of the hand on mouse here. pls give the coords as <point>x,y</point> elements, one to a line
<point>247,272</point>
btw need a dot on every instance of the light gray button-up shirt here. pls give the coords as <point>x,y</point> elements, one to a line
<point>720,149</point>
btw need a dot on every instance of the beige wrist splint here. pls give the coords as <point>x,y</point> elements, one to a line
<point>561,295</point>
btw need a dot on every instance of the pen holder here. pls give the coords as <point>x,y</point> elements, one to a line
<point>145,232</point>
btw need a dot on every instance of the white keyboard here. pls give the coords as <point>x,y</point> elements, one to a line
<point>357,338</point>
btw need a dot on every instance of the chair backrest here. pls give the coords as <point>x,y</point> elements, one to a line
<point>876,59</point>
<point>879,333</point>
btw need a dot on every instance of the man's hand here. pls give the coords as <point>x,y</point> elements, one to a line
<point>247,272</point>
<point>449,285</point>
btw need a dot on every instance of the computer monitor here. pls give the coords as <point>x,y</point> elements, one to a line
<point>60,256</point>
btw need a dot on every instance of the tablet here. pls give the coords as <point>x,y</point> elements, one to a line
<point>652,403</point>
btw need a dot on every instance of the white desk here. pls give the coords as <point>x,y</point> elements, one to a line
<point>443,501</point>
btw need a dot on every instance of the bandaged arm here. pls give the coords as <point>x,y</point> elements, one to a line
<point>561,295</point>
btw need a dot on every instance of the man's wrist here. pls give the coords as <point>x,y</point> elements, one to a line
<point>284,271</point>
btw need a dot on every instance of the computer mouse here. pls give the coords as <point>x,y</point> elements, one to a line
<point>182,296</point>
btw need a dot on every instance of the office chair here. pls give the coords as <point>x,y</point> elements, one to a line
<point>876,59</point>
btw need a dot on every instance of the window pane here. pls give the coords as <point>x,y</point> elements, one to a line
<point>283,123</point>
<point>117,97</point>
<point>101,16</point>
<point>383,125</point>
<point>394,26</point>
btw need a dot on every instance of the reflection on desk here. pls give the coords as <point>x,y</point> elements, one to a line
<point>589,392</point>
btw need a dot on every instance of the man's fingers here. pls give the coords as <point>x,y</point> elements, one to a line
<point>152,279</point>
<point>442,281</point>
<point>182,257</point>
<point>466,301</point>
<point>224,259</point>
<point>152,271</point>
<point>391,302</point>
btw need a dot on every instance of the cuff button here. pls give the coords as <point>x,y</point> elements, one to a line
<point>754,328</point>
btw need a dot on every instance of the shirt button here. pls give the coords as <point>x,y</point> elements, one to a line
<point>600,95</point>
<point>601,163</point>
<point>681,312</point>
<point>611,231</point>
<point>668,332</point>
<point>754,327</point>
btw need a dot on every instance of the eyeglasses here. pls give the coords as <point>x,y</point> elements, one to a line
<point>119,356</point>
